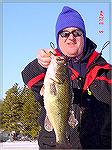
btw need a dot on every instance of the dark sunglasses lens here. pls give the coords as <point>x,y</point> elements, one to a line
<point>77,33</point>
<point>64,34</point>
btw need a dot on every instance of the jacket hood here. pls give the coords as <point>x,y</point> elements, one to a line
<point>90,48</point>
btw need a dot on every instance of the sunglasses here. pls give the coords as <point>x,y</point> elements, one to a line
<point>66,34</point>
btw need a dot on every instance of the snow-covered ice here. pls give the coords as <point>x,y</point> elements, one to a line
<point>19,145</point>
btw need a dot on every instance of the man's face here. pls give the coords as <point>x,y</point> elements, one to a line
<point>71,44</point>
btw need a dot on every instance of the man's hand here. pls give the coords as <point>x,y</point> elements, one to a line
<point>44,57</point>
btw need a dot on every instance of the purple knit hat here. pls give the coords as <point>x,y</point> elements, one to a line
<point>69,18</point>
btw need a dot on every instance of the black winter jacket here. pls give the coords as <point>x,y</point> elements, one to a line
<point>91,80</point>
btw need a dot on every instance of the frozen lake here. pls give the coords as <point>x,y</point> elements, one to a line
<point>19,145</point>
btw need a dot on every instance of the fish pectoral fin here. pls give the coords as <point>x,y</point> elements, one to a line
<point>47,124</point>
<point>42,91</point>
<point>72,120</point>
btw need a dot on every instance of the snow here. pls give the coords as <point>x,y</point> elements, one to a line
<point>19,145</point>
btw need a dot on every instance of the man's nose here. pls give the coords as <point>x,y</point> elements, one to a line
<point>71,36</point>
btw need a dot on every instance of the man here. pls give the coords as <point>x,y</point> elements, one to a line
<point>90,80</point>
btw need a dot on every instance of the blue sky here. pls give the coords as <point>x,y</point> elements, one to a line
<point>27,27</point>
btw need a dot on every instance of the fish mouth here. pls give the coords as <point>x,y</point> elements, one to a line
<point>59,60</point>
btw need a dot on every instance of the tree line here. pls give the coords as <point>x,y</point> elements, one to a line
<point>19,112</point>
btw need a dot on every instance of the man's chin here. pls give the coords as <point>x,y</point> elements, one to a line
<point>71,55</point>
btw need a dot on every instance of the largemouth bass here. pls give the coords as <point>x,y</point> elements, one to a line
<point>57,96</point>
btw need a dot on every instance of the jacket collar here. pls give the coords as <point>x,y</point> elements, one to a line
<point>90,48</point>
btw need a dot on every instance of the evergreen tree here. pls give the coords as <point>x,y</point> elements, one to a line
<point>1,114</point>
<point>30,113</point>
<point>20,112</point>
<point>11,109</point>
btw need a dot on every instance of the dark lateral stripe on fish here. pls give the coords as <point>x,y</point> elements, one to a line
<point>35,80</point>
